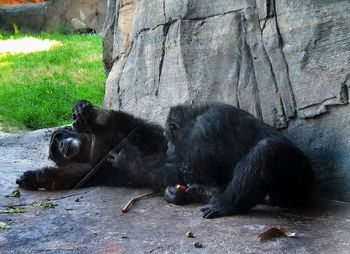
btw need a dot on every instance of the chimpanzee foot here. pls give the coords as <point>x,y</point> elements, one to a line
<point>83,114</point>
<point>176,196</point>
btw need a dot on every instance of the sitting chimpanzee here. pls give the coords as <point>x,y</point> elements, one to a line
<point>218,154</point>
<point>108,148</point>
<point>233,161</point>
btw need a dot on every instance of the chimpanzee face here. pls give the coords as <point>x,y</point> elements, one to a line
<point>67,146</point>
<point>175,128</point>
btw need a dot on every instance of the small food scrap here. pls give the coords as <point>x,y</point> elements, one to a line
<point>15,194</point>
<point>275,232</point>
<point>197,245</point>
<point>13,209</point>
<point>180,187</point>
<point>43,204</point>
<point>189,234</point>
<point>4,225</point>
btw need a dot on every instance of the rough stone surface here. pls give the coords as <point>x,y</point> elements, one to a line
<point>283,61</point>
<point>31,17</point>
<point>326,141</point>
<point>90,220</point>
<point>54,15</point>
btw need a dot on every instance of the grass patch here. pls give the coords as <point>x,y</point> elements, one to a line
<point>38,89</point>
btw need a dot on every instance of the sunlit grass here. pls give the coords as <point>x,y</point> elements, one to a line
<point>38,89</point>
<point>26,45</point>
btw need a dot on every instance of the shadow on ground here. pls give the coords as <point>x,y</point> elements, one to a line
<point>91,221</point>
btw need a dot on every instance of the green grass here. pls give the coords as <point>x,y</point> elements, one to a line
<point>38,90</point>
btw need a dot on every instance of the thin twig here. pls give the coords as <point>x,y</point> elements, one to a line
<point>128,205</point>
<point>70,195</point>
<point>100,163</point>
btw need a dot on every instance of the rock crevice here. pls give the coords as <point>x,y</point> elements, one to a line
<point>263,86</point>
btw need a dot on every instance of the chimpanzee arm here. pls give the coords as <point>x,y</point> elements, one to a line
<point>53,178</point>
<point>191,193</point>
<point>202,194</point>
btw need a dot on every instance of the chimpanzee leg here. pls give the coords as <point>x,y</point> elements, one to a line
<point>273,162</point>
<point>88,119</point>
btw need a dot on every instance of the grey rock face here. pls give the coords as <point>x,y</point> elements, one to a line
<point>33,16</point>
<point>316,44</point>
<point>286,62</point>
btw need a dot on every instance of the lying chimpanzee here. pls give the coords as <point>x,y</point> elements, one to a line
<point>233,161</point>
<point>135,151</point>
<point>219,155</point>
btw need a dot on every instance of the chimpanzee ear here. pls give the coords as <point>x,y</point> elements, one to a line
<point>174,128</point>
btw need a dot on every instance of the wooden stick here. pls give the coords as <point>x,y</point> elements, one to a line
<point>133,200</point>
<point>101,162</point>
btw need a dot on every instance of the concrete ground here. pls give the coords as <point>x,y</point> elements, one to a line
<point>90,220</point>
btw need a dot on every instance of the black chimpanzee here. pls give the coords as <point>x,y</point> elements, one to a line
<point>233,161</point>
<point>221,155</point>
<point>135,152</point>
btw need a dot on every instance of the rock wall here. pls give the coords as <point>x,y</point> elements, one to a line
<point>286,62</point>
<point>54,15</point>
<point>28,17</point>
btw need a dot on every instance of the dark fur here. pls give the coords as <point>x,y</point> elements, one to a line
<point>226,157</point>
<point>139,152</point>
<point>234,160</point>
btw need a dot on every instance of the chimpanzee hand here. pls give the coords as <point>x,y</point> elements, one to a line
<point>213,210</point>
<point>83,116</point>
<point>176,196</point>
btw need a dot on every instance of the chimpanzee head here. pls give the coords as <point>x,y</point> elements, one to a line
<point>178,123</point>
<point>66,145</point>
